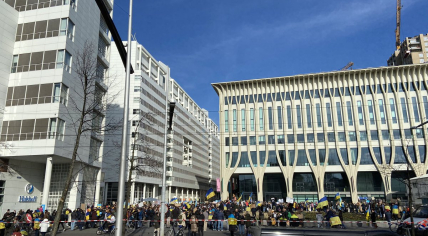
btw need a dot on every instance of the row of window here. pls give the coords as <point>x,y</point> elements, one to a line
<point>330,117</point>
<point>326,93</point>
<point>41,61</point>
<point>33,129</point>
<point>375,135</point>
<point>45,29</point>
<point>28,5</point>
<point>37,94</point>
<point>303,158</point>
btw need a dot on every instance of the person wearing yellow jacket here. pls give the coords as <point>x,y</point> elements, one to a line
<point>2,226</point>
<point>36,226</point>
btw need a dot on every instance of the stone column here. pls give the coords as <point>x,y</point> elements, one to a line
<point>47,182</point>
<point>98,188</point>
<point>144,190</point>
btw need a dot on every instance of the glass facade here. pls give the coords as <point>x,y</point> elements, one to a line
<point>323,125</point>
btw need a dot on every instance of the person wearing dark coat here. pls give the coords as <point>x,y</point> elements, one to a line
<point>156,223</point>
<point>201,218</point>
<point>373,219</point>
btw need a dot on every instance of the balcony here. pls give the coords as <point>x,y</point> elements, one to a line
<point>185,163</point>
<point>169,154</point>
<point>169,173</point>
<point>170,145</point>
<point>103,59</point>
<point>169,182</point>
<point>170,136</point>
<point>190,154</point>
<point>169,163</point>
<point>190,146</point>
<point>210,150</point>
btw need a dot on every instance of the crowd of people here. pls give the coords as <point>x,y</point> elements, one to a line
<point>196,218</point>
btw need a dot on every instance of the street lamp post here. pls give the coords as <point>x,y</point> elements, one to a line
<point>124,149</point>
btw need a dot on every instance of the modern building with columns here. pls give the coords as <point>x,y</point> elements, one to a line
<point>192,148</point>
<point>39,41</point>
<point>314,135</point>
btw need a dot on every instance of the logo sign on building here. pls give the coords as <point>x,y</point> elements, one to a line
<point>29,188</point>
<point>27,199</point>
<point>218,185</point>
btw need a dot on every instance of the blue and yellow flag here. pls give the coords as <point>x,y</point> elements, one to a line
<point>249,199</point>
<point>210,193</point>
<point>322,203</point>
<point>239,199</point>
<point>337,196</point>
<point>368,214</point>
<point>259,203</point>
<point>174,200</point>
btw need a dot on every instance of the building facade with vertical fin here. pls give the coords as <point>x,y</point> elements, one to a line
<point>192,148</point>
<point>40,42</point>
<point>314,135</point>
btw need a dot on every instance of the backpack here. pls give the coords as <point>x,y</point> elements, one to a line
<point>273,221</point>
<point>180,218</point>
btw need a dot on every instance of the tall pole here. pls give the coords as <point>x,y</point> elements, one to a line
<point>162,223</point>
<point>121,191</point>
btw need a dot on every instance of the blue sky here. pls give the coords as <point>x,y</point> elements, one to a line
<point>215,41</point>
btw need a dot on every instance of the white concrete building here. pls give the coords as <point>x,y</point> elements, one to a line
<point>192,147</point>
<point>38,41</point>
<point>314,135</point>
<point>420,190</point>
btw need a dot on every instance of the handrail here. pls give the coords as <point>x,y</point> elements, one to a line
<point>52,3</point>
<point>35,100</point>
<point>40,66</point>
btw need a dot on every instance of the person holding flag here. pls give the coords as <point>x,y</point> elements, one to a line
<point>239,199</point>
<point>322,203</point>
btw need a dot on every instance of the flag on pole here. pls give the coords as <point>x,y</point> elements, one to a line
<point>322,203</point>
<point>249,199</point>
<point>337,196</point>
<point>174,200</point>
<point>210,193</point>
<point>239,199</point>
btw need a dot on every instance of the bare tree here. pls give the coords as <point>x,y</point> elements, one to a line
<point>88,102</point>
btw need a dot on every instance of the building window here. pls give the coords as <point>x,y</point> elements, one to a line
<point>382,112</point>
<point>56,129</point>
<point>226,121</point>
<point>318,109</point>
<point>281,139</point>
<point>393,113</point>
<point>329,122</point>
<point>94,150</point>
<point>226,139</point>
<point>415,109</point>
<point>299,116</point>
<point>320,137</point>
<point>253,140</point>
<point>289,120</point>
<point>262,139</point>
<point>252,119</point>
<point>2,187</point>
<point>234,141</point>
<point>290,138</point>
<point>339,114</point>
<point>363,135</point>
<point>349,108</point>
<point>404,110</point>
<point>310,138</point>
<point>279,109</point>
<point>360,113</point>
<point>371,114</point>
<point>270,118</point>
<point>271,139</point>
<point>234,121</point>
<point>308,115</point>
<point>243,140</point>
<point>63,60</point>
<point>261,118</point>
<point>243,124</point>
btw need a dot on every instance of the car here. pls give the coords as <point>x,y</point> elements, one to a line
<point>420,217</point>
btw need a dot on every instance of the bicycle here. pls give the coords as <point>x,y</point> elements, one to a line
<point>171,231</point>
<point>400,228</point>
<point>130,226</point>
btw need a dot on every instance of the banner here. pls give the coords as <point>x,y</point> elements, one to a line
<point>218,185</point>
<point>289,200</point>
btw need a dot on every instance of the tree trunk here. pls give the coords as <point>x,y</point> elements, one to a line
<point>70,172</point>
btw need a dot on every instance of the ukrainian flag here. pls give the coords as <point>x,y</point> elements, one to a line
<point>174,200</point>
<point>368,214</point>
<point>239,199</point>
<point>337,196</point>
<point>210,193</point>
<point>322,202</point>
<point>249,199</point>
<point>259,203</point>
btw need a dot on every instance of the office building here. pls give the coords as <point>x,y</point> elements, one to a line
<point>40,40</point>
<point>314,135</point>
<point>413,50</point>
<point>192,146</point>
